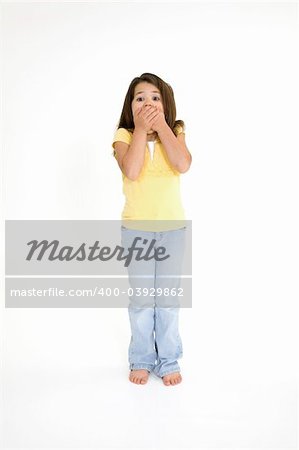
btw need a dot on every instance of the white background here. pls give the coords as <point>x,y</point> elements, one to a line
<point>66,68</point>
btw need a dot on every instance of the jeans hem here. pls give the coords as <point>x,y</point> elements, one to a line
<point>141,366</point>
<point>169,372</point>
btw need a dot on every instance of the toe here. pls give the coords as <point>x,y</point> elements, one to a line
<point>172,379</point>
<point>138,377</point>
<point>166,381</point>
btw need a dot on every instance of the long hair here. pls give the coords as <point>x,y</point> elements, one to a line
<point>126,119</point>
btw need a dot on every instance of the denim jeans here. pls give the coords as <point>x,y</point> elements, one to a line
<point>155,342</point>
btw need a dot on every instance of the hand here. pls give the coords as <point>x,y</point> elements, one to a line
<point>159,122</point>
<point>144,117</point>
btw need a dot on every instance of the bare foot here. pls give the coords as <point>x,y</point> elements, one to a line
<point>139,376</point>
<point>172,378</point>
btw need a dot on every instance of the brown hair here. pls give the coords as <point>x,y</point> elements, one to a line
<point>126,118</point>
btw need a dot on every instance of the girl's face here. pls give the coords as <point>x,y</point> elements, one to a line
<point>146,94</point>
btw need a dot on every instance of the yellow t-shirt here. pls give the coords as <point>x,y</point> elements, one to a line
<point>155,195</point>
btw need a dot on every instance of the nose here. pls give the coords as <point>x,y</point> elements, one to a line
<point>148,102</point>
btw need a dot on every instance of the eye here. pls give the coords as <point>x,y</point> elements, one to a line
<point>138,98</point>
<point>157,97</point>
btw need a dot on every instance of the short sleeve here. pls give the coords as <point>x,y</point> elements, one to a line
<point>123,135</point>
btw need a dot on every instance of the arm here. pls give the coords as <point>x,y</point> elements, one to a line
<point>175,146</point>
<point>130,158</point>
<point>176,149</point>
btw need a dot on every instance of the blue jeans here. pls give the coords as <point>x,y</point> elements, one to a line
<point>155,342</point>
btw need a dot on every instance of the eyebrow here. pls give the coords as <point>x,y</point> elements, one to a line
<point>140,92</point>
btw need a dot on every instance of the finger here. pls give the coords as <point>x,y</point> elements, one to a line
<point>154,118</point>
<point>151,112</point>
<point>146,110</point>
<point>154,114</point>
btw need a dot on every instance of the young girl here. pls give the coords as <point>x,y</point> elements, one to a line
<point>149,146</point>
